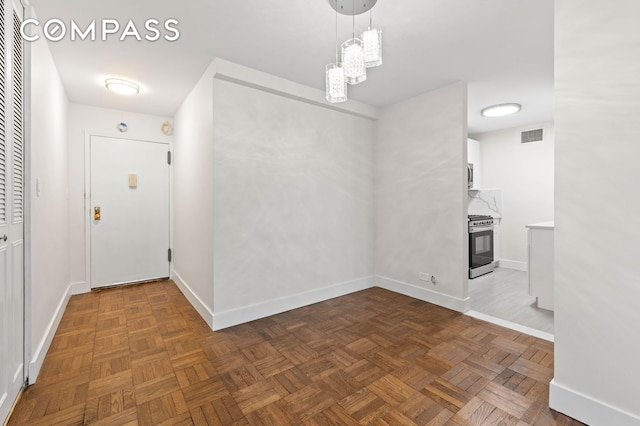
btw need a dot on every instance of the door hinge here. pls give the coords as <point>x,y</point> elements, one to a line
<point>169,157</point>
<point>169,255</point>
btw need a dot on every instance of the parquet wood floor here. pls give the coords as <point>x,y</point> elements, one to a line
<point>142,355</point>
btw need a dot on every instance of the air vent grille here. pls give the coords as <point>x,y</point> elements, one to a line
<point>532,136</point>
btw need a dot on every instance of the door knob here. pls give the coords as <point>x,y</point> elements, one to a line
<point>4,238</point>
<point>96,213</point>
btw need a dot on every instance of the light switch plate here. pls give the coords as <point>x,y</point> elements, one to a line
<point>133,181</point>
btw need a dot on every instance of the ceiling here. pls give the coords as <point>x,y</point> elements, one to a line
<point>502,48</point>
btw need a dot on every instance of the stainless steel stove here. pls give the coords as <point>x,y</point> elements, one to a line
<point>480,245</point>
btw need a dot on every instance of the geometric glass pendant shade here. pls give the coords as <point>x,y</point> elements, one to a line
<point>372,41</point>
<point>336,83</point>
<point>357,54</point>
<point>353,61</point>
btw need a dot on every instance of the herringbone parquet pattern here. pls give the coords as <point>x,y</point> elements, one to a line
<point>142,355</point>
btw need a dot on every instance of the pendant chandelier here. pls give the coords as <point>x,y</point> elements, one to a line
<point>357,53</point>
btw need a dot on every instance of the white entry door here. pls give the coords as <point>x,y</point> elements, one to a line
<point>129,211</point>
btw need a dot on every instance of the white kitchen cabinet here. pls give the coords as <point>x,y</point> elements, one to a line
<point>473,157</point>
<point>541,263</point>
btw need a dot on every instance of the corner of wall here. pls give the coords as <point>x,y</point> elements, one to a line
<point>192,195</point>
<point>200,306</point>
<point>424,294</point>
<point>275,306</point>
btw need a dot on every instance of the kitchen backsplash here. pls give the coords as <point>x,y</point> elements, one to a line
<point>486,201</point>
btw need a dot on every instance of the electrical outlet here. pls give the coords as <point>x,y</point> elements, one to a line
<point>423,276</point>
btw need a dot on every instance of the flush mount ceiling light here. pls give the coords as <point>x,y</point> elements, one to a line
<point>501,110</point>
<point>357,53</point>
<point>122,87</point>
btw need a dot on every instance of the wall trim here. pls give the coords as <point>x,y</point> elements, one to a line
<point>512,326</point>
<point>587,409</point>
<point>79,288</point>
<point>426,295</point>
<point>41,351</point>
<point>245,76</point>
<point>513,264</point>
<point>193,298</point>
<point>282,304</point>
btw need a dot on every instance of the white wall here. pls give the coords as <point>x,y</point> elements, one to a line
<point>290,175</point>
<point>193,196</point>
<point>525,174</point>
<point>293,198</point>
<point>85,120</point>
<point>421,196</point>
<point>597,239</point>
<point>49,268</point>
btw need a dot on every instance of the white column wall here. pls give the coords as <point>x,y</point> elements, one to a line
<point>597,238</point>
<point>421,196</point>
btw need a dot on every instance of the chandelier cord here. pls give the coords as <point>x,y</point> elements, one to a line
<point>337,32</point>
<point>353,16</point>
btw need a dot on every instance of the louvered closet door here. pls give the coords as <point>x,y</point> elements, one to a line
<point>12,371</point>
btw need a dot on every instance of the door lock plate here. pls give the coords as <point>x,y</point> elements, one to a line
<point>96,213</point>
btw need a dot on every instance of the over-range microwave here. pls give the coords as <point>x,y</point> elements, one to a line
<point>470,175</point>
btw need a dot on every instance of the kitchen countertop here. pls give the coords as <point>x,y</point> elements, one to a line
<point>542,225</point>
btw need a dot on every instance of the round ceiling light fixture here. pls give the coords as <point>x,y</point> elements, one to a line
<point>122,87</point>
<point>501,110</point>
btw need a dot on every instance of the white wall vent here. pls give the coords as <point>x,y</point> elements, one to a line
<point>532,136</point>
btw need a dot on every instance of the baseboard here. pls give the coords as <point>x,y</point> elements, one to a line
<point>38,355</point>
<point>586,409</point>
<point>513,326</point>
<point>79,288</point>
<point>196,302</point>
<point>440,299</point>
<point>275,306</point>
<point>513,264</point>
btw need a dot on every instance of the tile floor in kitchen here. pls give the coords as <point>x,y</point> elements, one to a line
<point>504,294</point>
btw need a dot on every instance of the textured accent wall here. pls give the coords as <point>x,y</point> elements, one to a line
<point>421,191</point>
<point>293,197</point>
